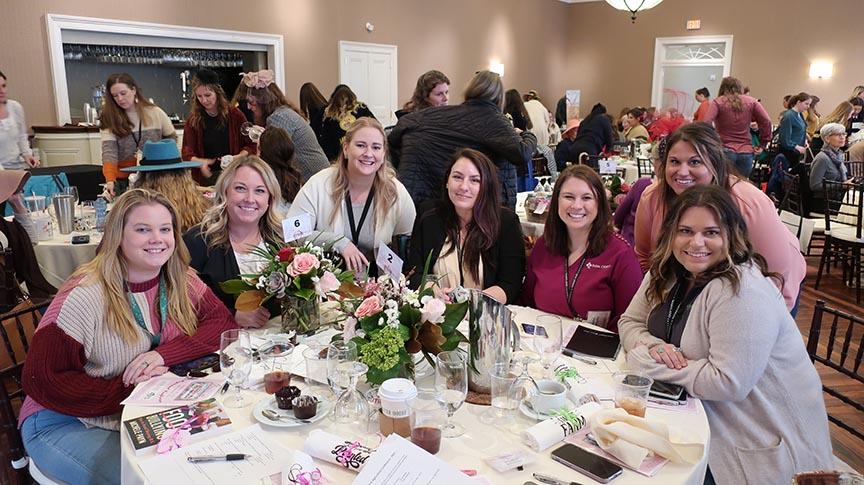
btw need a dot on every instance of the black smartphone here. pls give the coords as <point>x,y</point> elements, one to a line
<point>596,467</point>
<point>197,367</point>
<point>664,390</point>
<point>81,239</point>
<point>529,329</point>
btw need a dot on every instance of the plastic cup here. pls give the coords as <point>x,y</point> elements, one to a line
<point>631,392</point>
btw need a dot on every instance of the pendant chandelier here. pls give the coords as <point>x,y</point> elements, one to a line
<point>633,6</point>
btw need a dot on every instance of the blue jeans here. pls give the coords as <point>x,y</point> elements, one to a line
<point>64,448</point>
<point>743,162</point>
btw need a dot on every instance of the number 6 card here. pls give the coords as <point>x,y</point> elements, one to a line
<point>294,228</point>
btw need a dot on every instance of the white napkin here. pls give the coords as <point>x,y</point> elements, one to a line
<point>553,430</point>
<point>302,463</point>
<point>333,449</point>
<point>579,385</point>
<point>630,438</point>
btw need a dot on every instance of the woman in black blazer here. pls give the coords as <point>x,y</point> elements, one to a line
<point>489,250</point>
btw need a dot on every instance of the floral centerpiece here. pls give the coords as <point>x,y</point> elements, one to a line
<point>299,277</point>
<point>391,322</point>
<point>616,189</point>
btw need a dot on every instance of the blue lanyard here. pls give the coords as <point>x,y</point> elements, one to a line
<point>163,312</point>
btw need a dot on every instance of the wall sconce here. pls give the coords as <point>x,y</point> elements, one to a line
<point>821,69</point>
<point>497,67</point>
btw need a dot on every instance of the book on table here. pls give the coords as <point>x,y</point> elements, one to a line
<point>593,343</point>
<point>203,419</point>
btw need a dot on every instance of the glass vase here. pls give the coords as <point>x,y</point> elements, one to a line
<point>302,316</point>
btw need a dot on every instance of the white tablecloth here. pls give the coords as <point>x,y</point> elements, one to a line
<point>467,451</point>
<point>58,257</point>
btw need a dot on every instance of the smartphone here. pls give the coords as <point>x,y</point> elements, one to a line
<point>81,239</point>
<point>529,329</point>
<point>596,467</point>
<point>664,390</point>
<point>197,367</point>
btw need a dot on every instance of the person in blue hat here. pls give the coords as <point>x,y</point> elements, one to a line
<point>162,170</point>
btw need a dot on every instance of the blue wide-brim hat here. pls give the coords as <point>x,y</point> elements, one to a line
<point>160,155</point>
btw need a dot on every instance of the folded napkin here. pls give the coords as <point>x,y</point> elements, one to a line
<point>630,438</point>
<point>302,470</point>
<point>553,430</point>
<point>333,449</point>
<point>579,385</point>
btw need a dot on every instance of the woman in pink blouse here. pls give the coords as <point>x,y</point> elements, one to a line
<point>599,271</point>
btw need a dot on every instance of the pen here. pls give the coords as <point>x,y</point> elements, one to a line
<point>580,358</point>
<point>552,480</point>
<point>225,387</point>
<point>228,457</point>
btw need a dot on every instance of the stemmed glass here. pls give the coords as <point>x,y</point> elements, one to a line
<point>451,387</point>
<point>546,340</point>
<point>340,353</point>
<point>524,387</point>
<point>351,406</point>
<point>235,359</point>
<point>278,346</point>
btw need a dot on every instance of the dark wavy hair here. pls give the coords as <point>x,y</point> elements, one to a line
<point>277,149</point>
<point>666,269</point>
<point>425,84</point>
<point>708,146</point>
<point>311,100</point>
<point>555,231</point>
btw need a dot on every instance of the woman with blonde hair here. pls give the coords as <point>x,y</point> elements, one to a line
<point>243,216</point>
<point>357,203</point>
<point>840,114</point>
<point>122,318</point>
<point>433,89</point>
<point>339,115</point>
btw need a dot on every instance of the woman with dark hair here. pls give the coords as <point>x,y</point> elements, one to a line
<point>635,129</point>
<point>128,121</point>
<point>695,157</point>
<point>211,134</point>
<point>270,108</point>
<point>277,149</point>
<point>340,113</point>
<point>470,239</point>
<point>702,97</point>
<point>433,89</point>
<point>732,112</point>
<point>422,142</point>
<point>579,244</point>
<point>593,134</point>
<point>856,119</point>
<point>515,108</point>
<point>709,317</point>
<point>312,104</point>
<point>793,129</point>
<point>15,152</point>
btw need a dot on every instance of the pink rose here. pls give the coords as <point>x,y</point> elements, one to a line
<point>328,283</point>
<point>619,199</point>
<point>433,311</point>
<point>302,264</point>
<point>370,306</point>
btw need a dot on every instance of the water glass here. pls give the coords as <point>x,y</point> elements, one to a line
<point>340,353</point>
<point>351,407</point>
<point>502,375</point>
<point>451,387</point>
<point>428,418</point>
<point>546,340</point>
<point>235,359</point>
<point>315,358</point>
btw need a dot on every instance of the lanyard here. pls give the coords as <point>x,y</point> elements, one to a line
<point>569,287</point>
<point>137,140</point>
<point>163,312</point>
<point>459,258</point>
<point>675,311</point>
<point>355,230</point>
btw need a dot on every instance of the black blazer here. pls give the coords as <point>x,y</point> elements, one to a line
<point>503,263</point>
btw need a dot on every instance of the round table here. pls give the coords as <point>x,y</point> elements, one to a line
<point>478,442</point>
<point>58,257</point>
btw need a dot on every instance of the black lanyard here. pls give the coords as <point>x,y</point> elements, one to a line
<point>459,258</point>
<point>683,298</point>
<point>355,230</point>
<point>569,287</point>
<point>137,140</point>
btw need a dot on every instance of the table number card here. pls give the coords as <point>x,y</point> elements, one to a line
<point>296,227</point>
<point>608,166</point>
<point>388,262</point>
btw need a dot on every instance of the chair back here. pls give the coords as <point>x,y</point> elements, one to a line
<point>856,169</point>
<point>840,352</point>
<point>645,167</point>
<point>843,210</point>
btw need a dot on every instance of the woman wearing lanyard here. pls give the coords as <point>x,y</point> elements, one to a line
<point>599,270</point>
<point>119,320</point>
<point>469,238</point>
<point>357,203</point>
<point>128,121</point>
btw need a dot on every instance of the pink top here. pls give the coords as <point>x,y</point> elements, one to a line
<point>733,126</point>
<point>602,292</point>
<point>769,236</point>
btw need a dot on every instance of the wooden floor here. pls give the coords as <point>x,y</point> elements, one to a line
<point>846,447</point>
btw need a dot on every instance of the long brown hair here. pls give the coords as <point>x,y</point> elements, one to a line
<point>485,223</point>
<point>277,149</point>
<point>178,187</point>
<point>708,146</point>
<point>343,101</point>
<point>114,118</point>
<point>268,99</point>
<point>555,232</point>
<point>666,269</point>
<point>311,99</point>
<point>425,84</point>
<point>513,104</point>
<point>731,88</point>
<point>108,269</point>
<point>209,80</point>
<point>840,114</point>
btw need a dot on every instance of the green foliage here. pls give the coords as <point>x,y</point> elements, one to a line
<point>235,287</point>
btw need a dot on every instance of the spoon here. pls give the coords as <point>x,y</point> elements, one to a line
<point>274,416</point>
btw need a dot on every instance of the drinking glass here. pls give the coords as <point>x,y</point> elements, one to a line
<point>428,416</point>
<point>235,359</point>
<point>524,386</point>
<point>351,407</point>
<point>339,353</point>
<point>451,387</point>
<point>502,376</point>
<point>316,366</point>
<point>278,347</point>
<point>546,340</point>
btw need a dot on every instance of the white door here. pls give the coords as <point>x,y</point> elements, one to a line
<point>684,64</point>
<point>370,71</point>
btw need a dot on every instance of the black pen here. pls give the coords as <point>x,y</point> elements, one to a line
<point>228,457</point>
<point>225,387</point>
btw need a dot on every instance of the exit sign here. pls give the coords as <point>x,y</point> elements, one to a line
<point>694,24</point>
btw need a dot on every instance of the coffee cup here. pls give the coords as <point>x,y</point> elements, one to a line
<point>552,396</point>
<point>44,227</point>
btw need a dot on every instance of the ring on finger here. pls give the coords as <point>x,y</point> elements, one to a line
<point>660,350</point>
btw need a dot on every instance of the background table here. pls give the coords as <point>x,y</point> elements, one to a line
<point>58,257</point>
<point>479,441</point>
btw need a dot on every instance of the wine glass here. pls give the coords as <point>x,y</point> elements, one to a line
<point>338,353</point>
<point>451,387</point>
<point>546,340</point>
<point>235,359</point>
<point>278,346</point>
<point>351,407</point>
<point>524,387</point>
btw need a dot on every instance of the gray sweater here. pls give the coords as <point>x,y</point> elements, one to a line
<point>828,165</point>
<point>747,362</point>
<point>308,153</point>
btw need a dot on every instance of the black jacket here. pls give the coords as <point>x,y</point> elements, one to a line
<point>503,263</point>
<point>331,133</point>
<point>423,142</point>
<point>594,133</point>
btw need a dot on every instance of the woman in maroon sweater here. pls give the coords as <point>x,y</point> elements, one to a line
<point>581,268</point>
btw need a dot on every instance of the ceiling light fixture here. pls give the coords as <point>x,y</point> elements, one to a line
<point>633,6</point>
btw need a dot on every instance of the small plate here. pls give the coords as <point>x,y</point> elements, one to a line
<point>269,402</point>
<point>526,409</point>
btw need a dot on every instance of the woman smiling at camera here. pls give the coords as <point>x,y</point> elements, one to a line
<point>118,320</point>
<point>471,239</point>
<point>695,157</point>
<point>579,245</point>
<point>709,317</point>
<point>357,203</point>
<point>243,216</point>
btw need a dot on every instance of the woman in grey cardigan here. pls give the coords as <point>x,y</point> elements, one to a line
<point>708,317</point>
<point>828,163</point>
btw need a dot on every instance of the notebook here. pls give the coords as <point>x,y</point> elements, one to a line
<point>594,343</point>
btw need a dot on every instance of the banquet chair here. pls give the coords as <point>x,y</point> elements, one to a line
<point>791,210</point>
<point>856,169</point>
<point>645,167</point>
<point>843,242</point>
<point>842,353</point>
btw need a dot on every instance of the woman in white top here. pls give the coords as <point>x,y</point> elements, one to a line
<point>357,202</point>
<point>243,217</point>
<point>15,152</point>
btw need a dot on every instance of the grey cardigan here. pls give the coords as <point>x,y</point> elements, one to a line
<point>828,165</point>
<point>747,362</point>
<point>308,153</point>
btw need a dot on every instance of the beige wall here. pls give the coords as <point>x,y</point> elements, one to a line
<point>454,36</point>
<point>611,60</point>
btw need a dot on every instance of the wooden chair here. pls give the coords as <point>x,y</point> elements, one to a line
<point>791,212</point>
<point>842,352</point>
<point>645,167</point>
<point>843,242</point>
<point>856,169</point>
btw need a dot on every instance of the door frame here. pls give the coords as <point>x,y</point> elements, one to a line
<point>660,61</point>
<point>345,45</point>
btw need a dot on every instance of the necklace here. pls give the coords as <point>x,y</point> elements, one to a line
<point>138,314</point>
